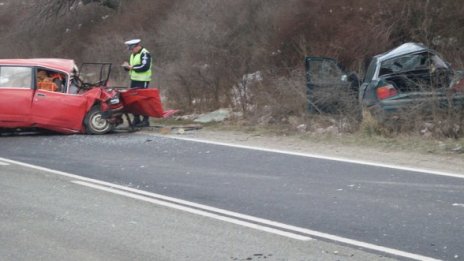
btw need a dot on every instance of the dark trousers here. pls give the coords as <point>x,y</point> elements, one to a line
<point>142,85</point>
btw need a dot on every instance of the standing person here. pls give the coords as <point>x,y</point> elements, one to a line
<point>139,68</point>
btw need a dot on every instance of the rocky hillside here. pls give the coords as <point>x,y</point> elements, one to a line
<point>246,54</point>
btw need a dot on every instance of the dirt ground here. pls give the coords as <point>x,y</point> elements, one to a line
<point>391,155</point>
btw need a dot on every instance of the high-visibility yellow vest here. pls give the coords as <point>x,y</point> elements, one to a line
<point>136,59</point>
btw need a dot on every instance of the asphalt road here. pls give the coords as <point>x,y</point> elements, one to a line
<point>49,217</point>
<point>409,211</point>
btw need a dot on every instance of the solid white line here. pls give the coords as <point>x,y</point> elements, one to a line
<point>196,211</point>
<point>237,215</point>
<point>280,225</point>
<point>317,156</point>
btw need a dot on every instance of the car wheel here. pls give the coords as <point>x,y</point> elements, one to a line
<point>95,123</point>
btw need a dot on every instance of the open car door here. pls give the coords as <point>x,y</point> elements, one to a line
<point>328,85</point>
<point>143,102</point>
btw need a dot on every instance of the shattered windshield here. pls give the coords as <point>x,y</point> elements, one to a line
<point>412,62</point>
<point>95,73</point>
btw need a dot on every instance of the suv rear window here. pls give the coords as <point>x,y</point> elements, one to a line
<point>412,62</point>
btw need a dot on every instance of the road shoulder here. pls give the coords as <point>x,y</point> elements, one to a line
<point>451,163</point>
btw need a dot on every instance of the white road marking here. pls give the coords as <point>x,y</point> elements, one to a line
<point>237,215</point>
<point>458,205</point>
<point>4,163</point>
<point>196,211</point>
<point>317,156</point>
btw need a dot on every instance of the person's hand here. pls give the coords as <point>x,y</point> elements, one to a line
<point>126,65</point>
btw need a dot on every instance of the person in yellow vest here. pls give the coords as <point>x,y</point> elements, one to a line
<point>139,68</point>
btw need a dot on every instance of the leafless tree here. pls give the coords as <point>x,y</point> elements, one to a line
<point>205,49</point>
<point>48,9</point>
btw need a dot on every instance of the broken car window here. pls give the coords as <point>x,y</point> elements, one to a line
<point>50,80</point>
<point>325,71</point>
<point>412,62</point>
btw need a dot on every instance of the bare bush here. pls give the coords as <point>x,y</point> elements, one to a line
<point>205,51</point>
<point>431,118</point>
<point>274,99</point>
<point>214,53</point>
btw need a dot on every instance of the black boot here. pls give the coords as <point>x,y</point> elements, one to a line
<point>144,122</point>
<point>136,121</point>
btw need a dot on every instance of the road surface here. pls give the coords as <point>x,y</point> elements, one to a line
<point>380,209</point>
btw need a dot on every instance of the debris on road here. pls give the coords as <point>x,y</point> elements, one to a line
<point>176,129</point>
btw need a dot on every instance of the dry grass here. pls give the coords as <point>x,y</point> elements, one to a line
<point>204,51</point>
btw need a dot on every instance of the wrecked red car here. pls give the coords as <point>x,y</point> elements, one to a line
<point>52,94</point>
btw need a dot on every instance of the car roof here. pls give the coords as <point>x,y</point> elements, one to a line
<point>66,65</point>
<point>401,50</point>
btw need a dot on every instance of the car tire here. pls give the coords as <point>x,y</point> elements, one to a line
<point>95,123</point>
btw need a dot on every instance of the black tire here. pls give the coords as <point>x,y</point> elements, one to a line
<point>94,122</point>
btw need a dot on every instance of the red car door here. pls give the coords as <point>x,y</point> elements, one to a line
<point>58,111</point>
<point>143,102</point>
<point>15,96</point>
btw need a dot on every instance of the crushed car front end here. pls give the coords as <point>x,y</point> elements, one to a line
<point>410,77</point>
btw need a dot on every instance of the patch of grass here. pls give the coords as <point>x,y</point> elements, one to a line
<point>413,143</point>
<point>361,138</point>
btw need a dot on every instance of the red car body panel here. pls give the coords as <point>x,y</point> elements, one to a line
<point>64,65</point>
<point>51,110</point>
<point>142,102</point>
<point>15,106</point>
